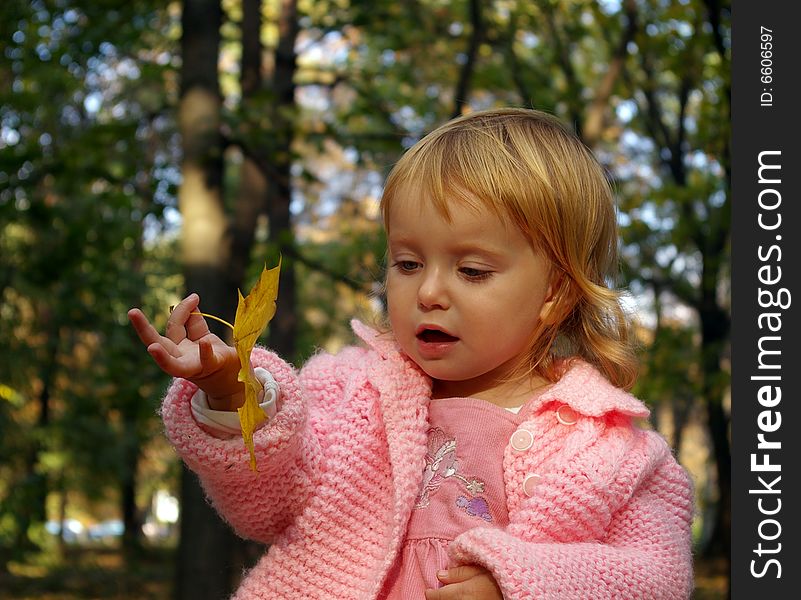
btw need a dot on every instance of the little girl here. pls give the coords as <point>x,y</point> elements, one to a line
<point>482,444</point>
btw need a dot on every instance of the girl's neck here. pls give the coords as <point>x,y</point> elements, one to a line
<point>508,393</point>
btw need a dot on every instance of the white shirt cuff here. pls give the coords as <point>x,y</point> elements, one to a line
<point>226,423</point>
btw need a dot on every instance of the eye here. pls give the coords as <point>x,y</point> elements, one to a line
<point>472,274</point>
<point>406,266</point>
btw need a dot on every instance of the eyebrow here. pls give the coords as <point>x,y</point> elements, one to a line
<point>460,248</point>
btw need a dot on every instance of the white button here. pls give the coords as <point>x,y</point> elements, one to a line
<point>566,415</point>
<point>521,440</point>
<point>531,481</point>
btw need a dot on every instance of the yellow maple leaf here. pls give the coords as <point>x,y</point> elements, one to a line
<point>252,315</point>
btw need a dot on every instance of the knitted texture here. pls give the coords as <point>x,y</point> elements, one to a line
<point>341,464</point>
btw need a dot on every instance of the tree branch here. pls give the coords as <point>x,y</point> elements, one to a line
<point>293,252</point>
<point>679,287</point>
<point>593,123</point>
<point>514,64</point>
<point>714,8</point>
<point>655,121</point>
<point>563,58</point>
<point>466,73</point>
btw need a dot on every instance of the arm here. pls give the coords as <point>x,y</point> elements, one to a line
<point>258,505</point>
<point>643,550</point>
<point>290,448</point>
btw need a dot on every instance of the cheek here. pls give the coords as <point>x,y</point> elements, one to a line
<point>393,286</point>
<point>401,293</point>
<point>395,310</point>
<point>391,294</point>
<point>511,323</point>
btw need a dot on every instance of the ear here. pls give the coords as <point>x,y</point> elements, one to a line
<point>559,299</point>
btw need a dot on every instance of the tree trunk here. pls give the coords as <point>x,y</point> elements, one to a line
<point>62,515</point>
<point>682,406</point>
<point>283,329</point>
<point>250,203</point>
<point>265,175</point>
<point>131,410</point>
<point>252,198</point>
<point>204,568</point>
<point>35,485</point>
<point>131,519</point>
<point>710,236</point>
<point>714,332</point>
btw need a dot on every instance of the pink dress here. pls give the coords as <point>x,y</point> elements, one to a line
<point>462,488</point>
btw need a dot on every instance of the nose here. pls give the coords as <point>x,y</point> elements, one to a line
<point>433,292</point>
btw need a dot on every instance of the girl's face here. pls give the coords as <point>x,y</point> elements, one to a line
<point>464,296</point>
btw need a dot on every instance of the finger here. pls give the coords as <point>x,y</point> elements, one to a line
<point>176,325</point>
<point>148,334</point>
<point>196,326</point>
<point>166,361</point>
<point>144,329</point>
<point>440,594</point>
<point>479,583</point>
<point>458,574</point>
<point>177,366</point>
<point>207,359</point>
<point>453,591</point>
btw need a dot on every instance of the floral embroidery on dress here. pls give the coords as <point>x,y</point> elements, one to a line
<point>441,464</point>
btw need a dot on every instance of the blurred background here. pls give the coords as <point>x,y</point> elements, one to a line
<point>151,147</point>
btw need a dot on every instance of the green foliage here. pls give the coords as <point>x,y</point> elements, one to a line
<point>78,178</point>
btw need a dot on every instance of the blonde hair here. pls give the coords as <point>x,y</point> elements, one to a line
<point>525,166</point>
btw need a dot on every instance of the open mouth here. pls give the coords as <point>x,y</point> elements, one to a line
<point>435,336</point>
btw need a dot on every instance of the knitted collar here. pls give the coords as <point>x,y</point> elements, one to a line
<point>582,387</point>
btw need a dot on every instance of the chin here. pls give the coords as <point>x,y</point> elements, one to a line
<point>444,375</point>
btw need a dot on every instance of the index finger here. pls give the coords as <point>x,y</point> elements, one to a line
<point>147,333</point>
<point>144,329</point>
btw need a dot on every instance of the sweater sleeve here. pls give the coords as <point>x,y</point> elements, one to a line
<point>643,552</point>
<point>258,505</point>
<point>224,423</point>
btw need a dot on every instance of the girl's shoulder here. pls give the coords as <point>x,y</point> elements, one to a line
<point>586,392</point>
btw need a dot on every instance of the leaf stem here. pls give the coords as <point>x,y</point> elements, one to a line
<point>218,319</point>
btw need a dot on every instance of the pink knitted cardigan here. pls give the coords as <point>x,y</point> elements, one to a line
<point>341,463</point>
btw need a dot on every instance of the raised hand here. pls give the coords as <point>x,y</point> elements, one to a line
<point>189,350</point>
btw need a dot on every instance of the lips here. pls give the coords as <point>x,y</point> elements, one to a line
<point>433,342</point>
<point>430,334</point>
